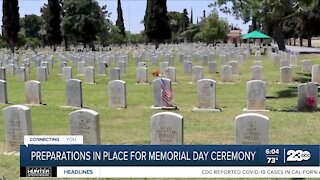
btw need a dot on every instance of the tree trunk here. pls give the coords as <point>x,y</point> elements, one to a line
<point>254,23</point>
<point>294,41</point>
<point>301,41</point>
<point>91,44</point>
<point>279,37</point>
<point>156,45</point>
<point>66,43</point>
<point>309,41</point>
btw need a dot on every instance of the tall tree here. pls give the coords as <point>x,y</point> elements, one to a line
<point>156,21</point>
<point>186,20</point>
<point>191,17</point>
<point>10,21</point>
<point>120,21</point>
<point>54,34</point>
<point>32,25</point>
<point>83,20</point>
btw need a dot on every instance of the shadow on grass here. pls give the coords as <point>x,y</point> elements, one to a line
<point>292,109</point>
<point>304,74</point>
<point>287,93</point>
<point>302,78</point>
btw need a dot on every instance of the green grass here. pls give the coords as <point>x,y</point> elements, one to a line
<point>132,125</point>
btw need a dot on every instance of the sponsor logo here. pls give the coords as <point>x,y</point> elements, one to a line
<point>38,172</point>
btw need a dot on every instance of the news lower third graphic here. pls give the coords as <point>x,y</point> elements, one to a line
<point>76,160</point>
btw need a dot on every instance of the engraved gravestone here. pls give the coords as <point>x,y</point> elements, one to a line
<point>21,74</point>
<point>167,128</point>
<point>223,59</point>
<point>117,94</point>
<point>277,58</point>
<point>206,93</point>
<point>226,75</point>
<point>42,73</point>
<point>142,75</point>
<point>17,124</point>
<point>170,73</point>
<point>3,92</point>
<point>114,74</point>
<point>81,66</point>
<point>257,73</point>
<point>163,66</point>
<point>3,74</point>
<point>158,85</point>
<point>102,68</point>
<point>122,67</point>
<point>197,73</point>
<point>315,75</point>
<point>205,60</point>
<point>256,95</point>
<point>307,97</point>
<point>62,65</point>
<point>90,76</point>
<point>235,67</point>
<point>154,60</point>
<point>11,69</point>
<point>74,92</point>
<point>252,129</point>
<point>33,92</point>
<point>212,67</point>
<point>86,122</point>
<point>67,73</point>
<point>306,66</point>
<point>187,67</point>
<point>293,60</point>
<point>286,74</point>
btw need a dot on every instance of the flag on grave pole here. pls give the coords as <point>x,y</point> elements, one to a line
<point>166,94</point>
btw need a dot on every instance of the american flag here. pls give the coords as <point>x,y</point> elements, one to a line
<point>166,94</point>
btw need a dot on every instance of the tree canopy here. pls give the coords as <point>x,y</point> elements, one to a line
<point>120,21</point>
<point>156,21</point>
<point>82,20</point>
<point>10,22</point>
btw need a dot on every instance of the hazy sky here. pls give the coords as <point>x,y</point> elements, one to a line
<point>134,10</point>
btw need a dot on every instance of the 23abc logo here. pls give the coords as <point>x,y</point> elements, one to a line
<point>298,155</point>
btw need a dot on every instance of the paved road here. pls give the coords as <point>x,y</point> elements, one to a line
<point>303,50</point>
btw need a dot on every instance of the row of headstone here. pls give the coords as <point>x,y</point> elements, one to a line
<point>166,127</point>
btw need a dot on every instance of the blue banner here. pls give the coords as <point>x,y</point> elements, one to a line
<point>169,155</point>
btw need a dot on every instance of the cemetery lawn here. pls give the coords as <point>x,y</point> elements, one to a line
<point>132,125</point>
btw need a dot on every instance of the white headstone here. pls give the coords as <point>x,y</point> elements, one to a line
<point>86,122</point>
<point>167,128</point>
<point>256,94</point>
<point>74,92</point>
<point>142,75</point>
<point>3,92</point>
<point>257,73</point>
<point>307,97</point>
<point>315,76</point>
<point>90,75</point>
<point>226,75</point>
<point>286,74</point>
<point>17,124</point>
<point>33,92</point>
<point>117,94</point>
<point>306,66</point>
<point>252,129</point>
<point>197,74</point>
